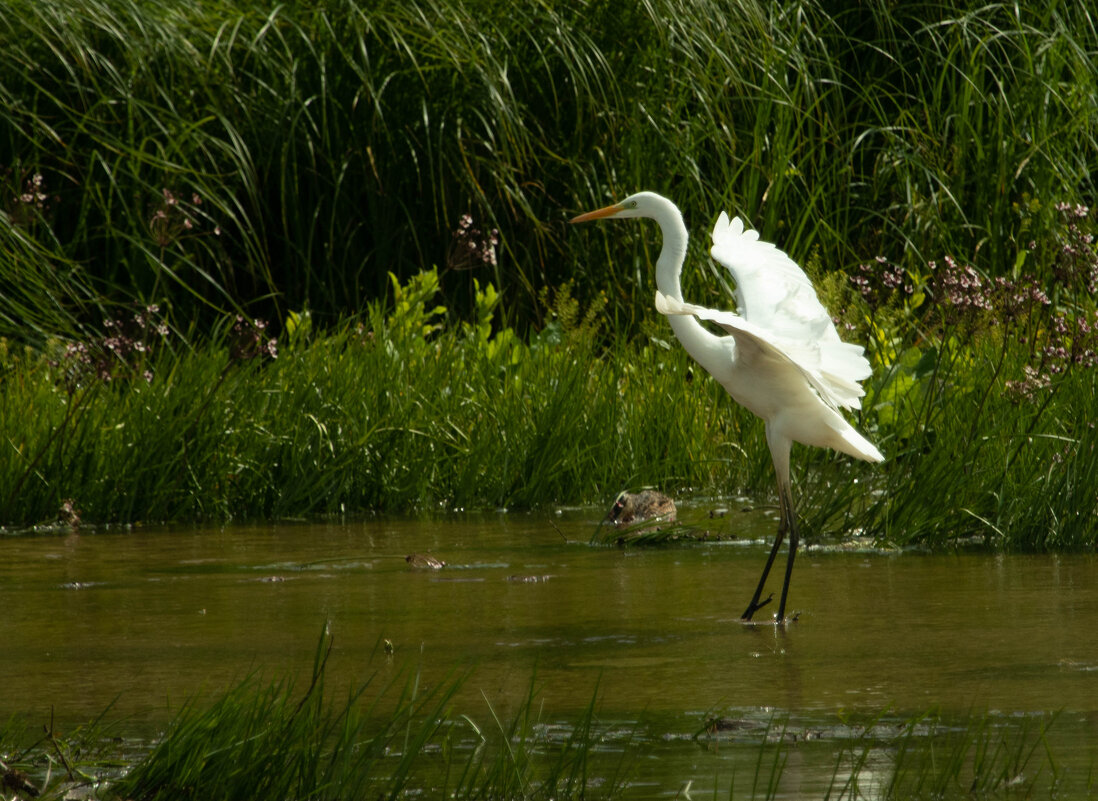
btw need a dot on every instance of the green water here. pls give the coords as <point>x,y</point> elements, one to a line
<point>149,618</point>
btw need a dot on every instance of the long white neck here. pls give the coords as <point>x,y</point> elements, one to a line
<point>707,349</point>
<point>673,254</point>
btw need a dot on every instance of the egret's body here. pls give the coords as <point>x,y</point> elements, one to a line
<point>782,358</point>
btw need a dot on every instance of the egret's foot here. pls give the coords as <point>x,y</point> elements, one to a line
<point>754,607</point>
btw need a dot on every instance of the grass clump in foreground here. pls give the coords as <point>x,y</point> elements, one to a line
<point>262,740</point>
<point>259,741</point>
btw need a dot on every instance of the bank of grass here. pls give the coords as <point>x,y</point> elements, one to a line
<point>396,411</point>
<point>406,410</point>
<point>397,738</point>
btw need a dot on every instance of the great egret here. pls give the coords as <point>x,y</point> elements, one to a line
<point>782,358</point>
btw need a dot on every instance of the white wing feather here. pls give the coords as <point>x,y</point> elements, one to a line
<point>835,390</point>
<point>778,303</point>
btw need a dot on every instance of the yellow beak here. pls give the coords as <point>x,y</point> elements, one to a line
<point>608,211</point>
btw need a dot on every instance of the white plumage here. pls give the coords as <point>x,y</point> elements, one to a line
<point>782,358</point>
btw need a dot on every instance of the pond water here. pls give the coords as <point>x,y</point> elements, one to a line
<point>147,618</point>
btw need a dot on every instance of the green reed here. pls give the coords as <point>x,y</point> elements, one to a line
<point>232,156</point>
<point>394,411</point>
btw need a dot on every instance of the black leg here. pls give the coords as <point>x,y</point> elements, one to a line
<point>755,604</point>
<point>789,563</point>
<point>779,452</point>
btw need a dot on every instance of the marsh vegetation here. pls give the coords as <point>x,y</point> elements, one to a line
<point>309,260</point>
<point>376,196</point>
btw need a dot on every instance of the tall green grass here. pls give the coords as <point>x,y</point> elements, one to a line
<point>393,412</point>
<point>312,149</point>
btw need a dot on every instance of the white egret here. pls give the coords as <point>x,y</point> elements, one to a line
<point>782,358</point>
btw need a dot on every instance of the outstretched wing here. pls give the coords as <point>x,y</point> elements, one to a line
<point>835,390</point>
<point>776,298</point>
<point>771,290</point>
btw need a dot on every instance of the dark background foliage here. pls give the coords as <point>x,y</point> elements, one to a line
<point>312,148</point>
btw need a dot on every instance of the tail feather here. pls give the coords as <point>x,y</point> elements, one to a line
<point>860,447</point>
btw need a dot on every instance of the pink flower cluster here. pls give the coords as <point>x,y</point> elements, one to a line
<point>471,248</point>
<point>34,192</point>
<point>1027,388</point>
<point>878,283</point>
<point>26,200</point>
<point>1069,342</point>
<point>960,286</point>
<point>1077,259</point>
<point>175,219</point>
<point>117,355</point>
<point>249,340</point>
<point>1016,298</point>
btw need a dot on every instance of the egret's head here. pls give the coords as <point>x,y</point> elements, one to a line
<point>642,204</point>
